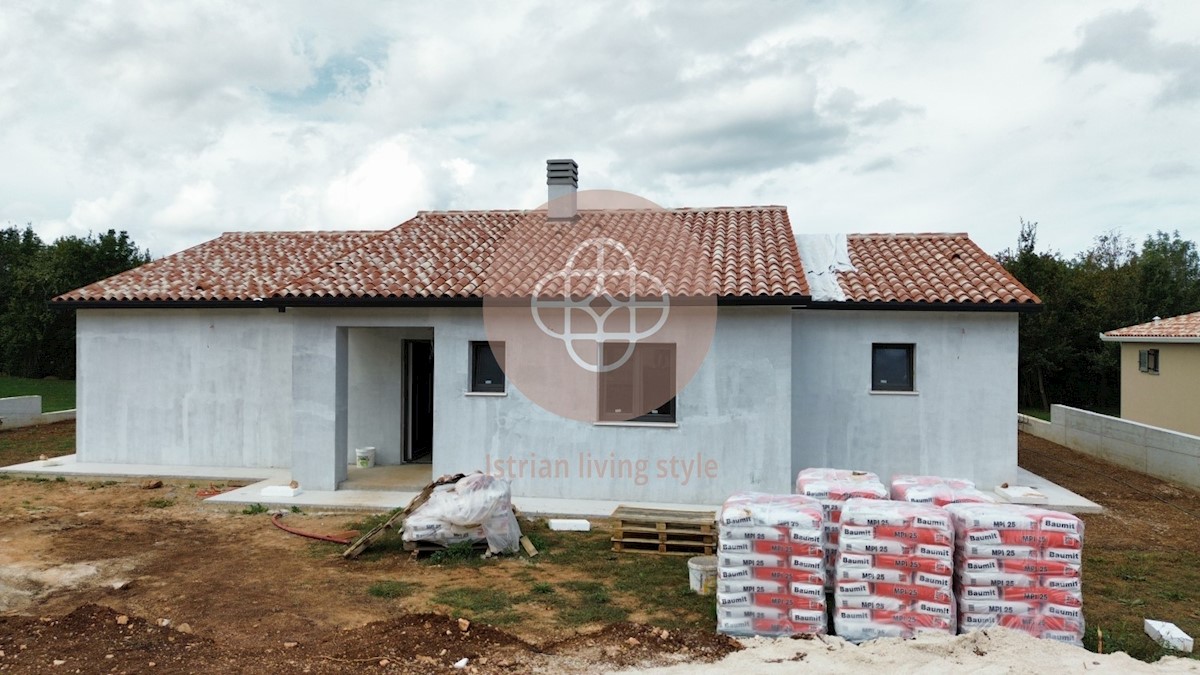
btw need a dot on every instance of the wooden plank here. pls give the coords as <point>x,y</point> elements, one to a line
<point>660,548</point>
<point>664,515</point>
<point>376,532</point>
<point>666,542</point>
<point>432,546</point>
<point>526,544</point>
<point>668,528</point>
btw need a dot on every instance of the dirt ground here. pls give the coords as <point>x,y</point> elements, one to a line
<point>89,570</point>
<point>1141,557</point>
<point>105,576</point>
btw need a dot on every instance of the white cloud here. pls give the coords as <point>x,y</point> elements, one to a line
<point>177,122</point>
<point>383,190</point>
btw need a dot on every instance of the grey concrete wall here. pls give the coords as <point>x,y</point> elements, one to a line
<point>1166,454</point>
<point>192,387</point>
<point>735,413</point>
<point>958,423</point>
<point>26,411</point>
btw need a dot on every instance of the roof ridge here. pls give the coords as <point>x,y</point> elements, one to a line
<point>673,209</point>
<point>300,232</point>
<point>911,235</point>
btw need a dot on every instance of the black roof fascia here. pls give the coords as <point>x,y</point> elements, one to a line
<point>1022,307</point>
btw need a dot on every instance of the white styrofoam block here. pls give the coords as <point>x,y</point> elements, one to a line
<point>1169,635</point>
<point>1022,494</point>
<point>280,491</point>
<point>569,525</point>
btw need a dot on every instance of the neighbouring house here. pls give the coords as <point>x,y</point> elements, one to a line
<point>1160,372</point>
<point>884,352</point>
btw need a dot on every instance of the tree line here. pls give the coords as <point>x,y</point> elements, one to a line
<point>1112,284</point>
<point>35,339</point>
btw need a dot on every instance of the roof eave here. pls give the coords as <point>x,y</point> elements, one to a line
<point>1144,338</point>
<point>911,306</point>
<point>378,301</point>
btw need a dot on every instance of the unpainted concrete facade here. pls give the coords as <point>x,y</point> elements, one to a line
<point>956,422</point>
<point>780,390</point>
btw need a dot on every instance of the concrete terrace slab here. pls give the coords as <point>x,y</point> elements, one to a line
<point>385,500</point>
<point>1060,498</point>
<point>68,466</point>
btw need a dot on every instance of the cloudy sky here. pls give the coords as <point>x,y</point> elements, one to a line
<point>177,121</point>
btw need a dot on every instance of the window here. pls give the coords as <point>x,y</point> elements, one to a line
<point>1148,361</point>
<point>643,388</point>
<point>891,367</point>
<point>487,367</point>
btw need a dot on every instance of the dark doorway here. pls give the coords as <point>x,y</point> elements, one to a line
<point>418,400</point>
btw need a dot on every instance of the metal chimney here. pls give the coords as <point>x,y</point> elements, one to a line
<point>562,180</point>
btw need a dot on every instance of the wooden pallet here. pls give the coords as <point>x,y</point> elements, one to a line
<point>419,548</point>
<point>665,532</point>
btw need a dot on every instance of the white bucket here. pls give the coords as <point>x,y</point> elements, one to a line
<point>365,457</point>
<point>702,573</point>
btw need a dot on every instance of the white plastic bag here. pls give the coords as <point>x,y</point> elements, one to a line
<point>477,507</point>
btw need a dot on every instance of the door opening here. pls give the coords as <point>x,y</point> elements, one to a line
<point>418,400</point>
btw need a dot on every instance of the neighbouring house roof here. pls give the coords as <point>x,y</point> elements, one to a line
<point>1182,328</point>
<point>745,254</point>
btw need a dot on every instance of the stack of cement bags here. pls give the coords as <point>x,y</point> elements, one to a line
<point>938,491</point>
<point>770,569</point>
<point>895,570</point>
<point>832,487</point>
<point>1019,567</point>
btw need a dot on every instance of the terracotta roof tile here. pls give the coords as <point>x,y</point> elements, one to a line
<point>502,254</point>
<point>1184,326</point>
<point>234,266</point>
<point>746,252</point>
<point>927,268</point>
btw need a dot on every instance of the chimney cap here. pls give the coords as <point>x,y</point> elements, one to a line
<point>562,172</point>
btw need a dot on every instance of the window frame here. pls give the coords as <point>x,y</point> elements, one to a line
<point>648,418</point>
<point>474,387</point>
<point>911,350</point>
<point>1148,361</point>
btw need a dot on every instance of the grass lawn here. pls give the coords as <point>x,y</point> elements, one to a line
<point>28,443</point>
<point>56,394</point>
<point>1035,412</point>
<point>576,580</point>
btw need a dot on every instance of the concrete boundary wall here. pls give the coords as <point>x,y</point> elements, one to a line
<point>1158,452</point>
<point>26,411</point>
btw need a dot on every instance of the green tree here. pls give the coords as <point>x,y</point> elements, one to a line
<point>1109,285</point>
<point>35,339</point>
<point>1168,276</point>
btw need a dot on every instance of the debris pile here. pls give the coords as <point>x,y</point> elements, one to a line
<point>770,566</point>
<point>895,570</point>
<point>832,487</point>
<point>476,507</point>
<point>1019,567</point>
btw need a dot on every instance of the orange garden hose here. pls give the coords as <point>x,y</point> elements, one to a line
<point>275,520</point>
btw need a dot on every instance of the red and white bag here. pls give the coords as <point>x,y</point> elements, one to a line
<point>832,487</point>
<point>770,565</point>
<point>1019,567</point>
<point>938,491</point>
<point>895,570</point>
